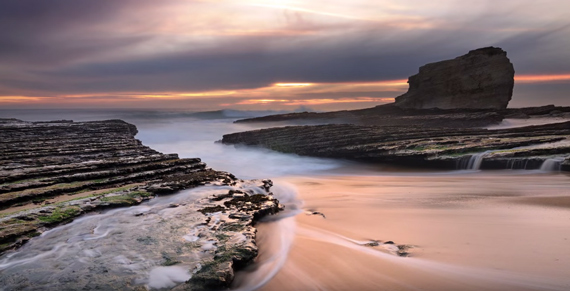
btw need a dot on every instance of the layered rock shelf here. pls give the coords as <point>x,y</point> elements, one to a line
<point>52,172</point>
<point>525,147</point>
<point>42,160</point>
<point>392,115</point>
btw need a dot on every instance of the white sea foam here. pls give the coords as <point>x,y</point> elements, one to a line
<point>165,277</point>
<point>514,123</point>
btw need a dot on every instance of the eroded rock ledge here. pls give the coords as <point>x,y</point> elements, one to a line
<point>518,148</point>
<point>52,172</point>
<point>392,115</point>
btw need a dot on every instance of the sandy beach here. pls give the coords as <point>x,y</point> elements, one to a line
<point>467,231</point>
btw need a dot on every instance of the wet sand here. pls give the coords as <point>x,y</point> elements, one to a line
<point>555,201</point>
<point>478,231</point>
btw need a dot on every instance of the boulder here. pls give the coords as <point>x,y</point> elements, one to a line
<point>481,79</point>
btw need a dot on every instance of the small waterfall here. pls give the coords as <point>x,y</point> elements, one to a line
<point>552,164</point>
<point>517,164</point>
<point>462,162</point>
<point>473,162</point>
<point>476,160</point>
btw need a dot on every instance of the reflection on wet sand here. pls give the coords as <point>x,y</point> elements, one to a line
<point>469,231</point>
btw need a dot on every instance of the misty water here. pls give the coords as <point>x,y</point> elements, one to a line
<point>459,221</point>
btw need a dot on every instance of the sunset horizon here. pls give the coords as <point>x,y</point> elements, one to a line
<point>209,55</point>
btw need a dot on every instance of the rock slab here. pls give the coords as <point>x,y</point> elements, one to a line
<point>514,148</point>
<point>481,79</point>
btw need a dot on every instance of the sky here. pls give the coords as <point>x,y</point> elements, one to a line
<point>255,55</point>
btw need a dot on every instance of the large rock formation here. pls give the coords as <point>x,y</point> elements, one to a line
<point>481,79</point>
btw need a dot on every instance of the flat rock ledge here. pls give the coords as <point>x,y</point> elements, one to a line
<point>52,172</point>
<point>392,115</point>
<point>472,148</point>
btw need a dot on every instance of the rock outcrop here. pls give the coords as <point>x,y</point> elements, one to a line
<point>523,148</point>
<point>390,115</point>
<point>481,79</point>
<point>52,172</point>
<point>228,224</point>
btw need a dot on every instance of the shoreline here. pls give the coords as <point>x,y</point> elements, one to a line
<point>455,239</point>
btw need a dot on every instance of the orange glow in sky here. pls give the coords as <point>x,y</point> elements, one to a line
<point>292,84</point>
<point>18,99</point>
<point>541,78</point>
<point>314,101</point>
<point>280,94</point>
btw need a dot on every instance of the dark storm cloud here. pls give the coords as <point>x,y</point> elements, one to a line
<point>63,47</point>
<point>359,58</point>
<point>543,51</point>
<point>36,32</point>
<point>366,56</point>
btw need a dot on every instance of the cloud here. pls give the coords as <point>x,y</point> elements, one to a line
<point>58,48</point>
<point>36,33</point>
